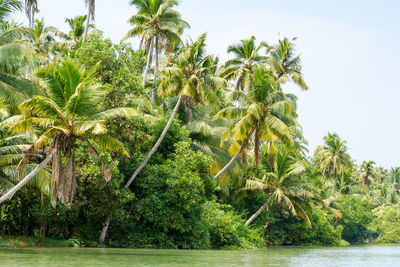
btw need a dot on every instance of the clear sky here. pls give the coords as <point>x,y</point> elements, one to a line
<point>349,48</point>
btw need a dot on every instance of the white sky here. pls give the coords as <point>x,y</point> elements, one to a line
<point>350,53</point>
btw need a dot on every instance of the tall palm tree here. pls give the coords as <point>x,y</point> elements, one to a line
<point>184,75</point>
<point>157,24</point>
<point>90,4</point>
<point>265,113</point>
<point>285,64</point>
<point>31,7</point>
<point>367,173</point>
<point>69,111</point>
<point>333,156</point>
<point>283,183</point>
<point>247,56</point>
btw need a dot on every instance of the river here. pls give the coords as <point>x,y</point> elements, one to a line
<point>364,256</point>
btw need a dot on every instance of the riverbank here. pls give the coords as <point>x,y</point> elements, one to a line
<point>30,241</point>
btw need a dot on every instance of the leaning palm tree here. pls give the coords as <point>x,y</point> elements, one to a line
<point>31,7</point>
<point>158,25</point>
<point>184,75</point>
<point>284,184</point>
<point>90,16</point>
<point>247,56</point>
<point>332,156</point>
<point>367,173</point>
<point>285,64</point>
<point>69,111</point>
<point>265,113</point>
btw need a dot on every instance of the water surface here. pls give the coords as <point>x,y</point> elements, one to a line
<point>365,256</point>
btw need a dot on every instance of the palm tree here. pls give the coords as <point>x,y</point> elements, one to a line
<point>42,38</point>
<point>158,25</point>
<point>90,16</point>
<point>285,64</point>
<point>74,38</point>
<point>264,111</point>
<point>246,58</point>
<point>69,111</point>
<point>332,156</point>
<point>367,173</point>
<point>184,75</point>
<point>31,7</point>
<point>283,183</point>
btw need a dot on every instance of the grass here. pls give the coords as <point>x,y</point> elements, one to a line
<point>29,241</point>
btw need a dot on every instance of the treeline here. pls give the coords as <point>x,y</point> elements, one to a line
<point>166,146</point>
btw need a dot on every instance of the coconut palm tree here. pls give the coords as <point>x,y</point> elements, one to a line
<point>284,184</point>
<point>42,38</point>
<point>332,156</point>
<point>31,7</point>
<point>90,4</point>
<point>247,56</point>
<point>265,113</point>
<point>74,38</point>
<point>69,111</point>
<point>367,173</point>
<point>285,64</point>
<point>157,24</point>
<point>185,75</point>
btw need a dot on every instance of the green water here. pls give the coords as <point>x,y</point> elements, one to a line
<point>365,256</point>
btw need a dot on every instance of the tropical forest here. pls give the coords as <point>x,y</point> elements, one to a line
<point>162,145</point>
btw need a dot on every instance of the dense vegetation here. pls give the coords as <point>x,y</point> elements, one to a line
<point>166,146</point>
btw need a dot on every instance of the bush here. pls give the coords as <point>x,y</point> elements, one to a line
<point>227,228</point>
<point>387,224</point>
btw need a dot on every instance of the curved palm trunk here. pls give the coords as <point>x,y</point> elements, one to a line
<point>153,93</point>
<point>146,70</point>
<point>234,157</point>
<point>87,25</point>
<point>27,178</point>
<point>258,212</point>
<point>243,155</point>
<point>141,166</point>
<point>257,145</point>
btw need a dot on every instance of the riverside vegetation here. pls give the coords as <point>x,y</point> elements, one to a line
<point>167,147</point>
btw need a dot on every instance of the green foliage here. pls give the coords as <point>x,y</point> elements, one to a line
<point>120,68</point>
<point>227,228</point>
<point>387,224</point>
<point>357,216</point>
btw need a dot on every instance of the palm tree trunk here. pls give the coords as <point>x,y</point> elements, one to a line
<point>234,157</point>
<point>87,25</point>
<point>258,212</point>
<point>146,70</point>
<point>334,179</point>
<point>141,166</point>
<point>243,155</point>
<point>105,229</point>
<point>186,101</point>
<point>239,81</point>
<point>257,145</point>
<point>153,93</point>
<point>157,144</point>
<point>12,191</point>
